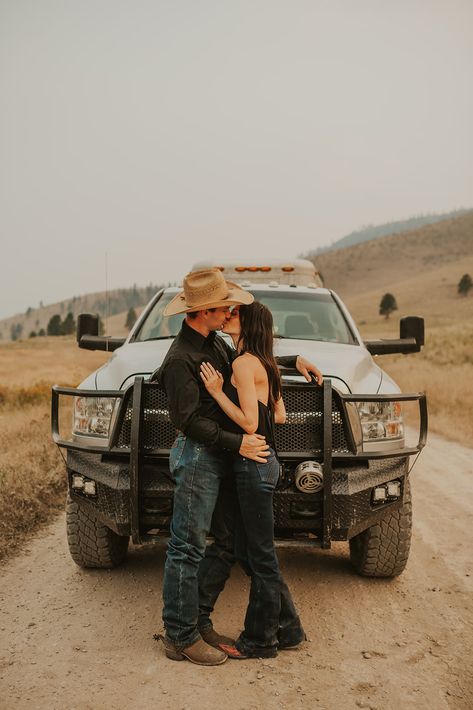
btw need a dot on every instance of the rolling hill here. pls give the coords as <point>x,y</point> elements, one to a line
<point>113,305</point>
<point>421,268</point>
<point>375,231</point>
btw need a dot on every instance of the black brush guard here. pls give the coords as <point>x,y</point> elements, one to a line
<point>317,427</point>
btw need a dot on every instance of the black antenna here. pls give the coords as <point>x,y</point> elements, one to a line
<point>107,299</point>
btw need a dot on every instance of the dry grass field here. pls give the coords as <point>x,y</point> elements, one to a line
<point>32,481</point>
<point>444,370</point>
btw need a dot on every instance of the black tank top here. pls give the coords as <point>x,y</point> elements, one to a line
<point>265,422</point>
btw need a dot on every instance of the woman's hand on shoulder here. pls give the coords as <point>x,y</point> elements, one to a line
<point>212,379</point>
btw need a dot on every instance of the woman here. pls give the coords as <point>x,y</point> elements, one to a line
<point>253,403</point>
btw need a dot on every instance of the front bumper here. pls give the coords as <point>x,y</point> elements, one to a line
<point>134,490</point>
<point>295,513</point>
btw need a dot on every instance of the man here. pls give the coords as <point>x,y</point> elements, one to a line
<point>199,463</point>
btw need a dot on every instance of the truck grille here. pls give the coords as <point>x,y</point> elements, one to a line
<point>302,434</point>
<point>303,431</point>
<point>158,431</point>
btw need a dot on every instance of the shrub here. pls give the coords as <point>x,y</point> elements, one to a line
<point>388,305</point>
<point>465,285</point>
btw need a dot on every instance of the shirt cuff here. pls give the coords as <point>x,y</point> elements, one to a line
<point>287,360</point>
<point>229,440</point>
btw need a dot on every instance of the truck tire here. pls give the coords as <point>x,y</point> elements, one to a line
<point>382,550</point>
<point>91,543</point>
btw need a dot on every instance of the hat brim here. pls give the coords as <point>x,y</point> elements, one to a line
<point>236,297</point>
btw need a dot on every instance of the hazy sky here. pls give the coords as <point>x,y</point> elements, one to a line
<point>163,133</point>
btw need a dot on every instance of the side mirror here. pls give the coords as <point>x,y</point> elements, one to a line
<point>87,334</point>
<point>87,324</point>
<point>412,327</point>
<point>411,338</point>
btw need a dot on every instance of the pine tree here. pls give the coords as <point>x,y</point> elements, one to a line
<point>68,324</point>
<point>465,284</point>
<point>388,305</point>
<point>55,325</point>
<point>16,330</point>
<point>130,318</point>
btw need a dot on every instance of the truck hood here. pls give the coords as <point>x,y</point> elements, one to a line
<point>351,367</point>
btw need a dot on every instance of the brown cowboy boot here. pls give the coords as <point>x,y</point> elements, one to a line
<point>199,652</point>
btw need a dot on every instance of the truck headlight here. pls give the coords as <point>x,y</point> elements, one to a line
<point>92,416</point>
<point>381,420</point>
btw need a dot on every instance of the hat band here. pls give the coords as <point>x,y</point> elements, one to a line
<point>199,295</point>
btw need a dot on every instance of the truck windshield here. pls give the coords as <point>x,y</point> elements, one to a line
<point>301,316</point>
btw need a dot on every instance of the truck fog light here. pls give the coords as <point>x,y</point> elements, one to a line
<point>77,482</point>
<point>379,494</point>
<point>394,489</point>
<point>89,488</point>
<point>309,477</point>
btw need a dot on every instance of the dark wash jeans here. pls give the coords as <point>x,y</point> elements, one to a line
<point>271,617</point>
<point>198,471</point>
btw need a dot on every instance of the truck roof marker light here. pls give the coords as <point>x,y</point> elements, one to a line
<point>253,268</point>
<point>287,268</point>
<point>240,268</point>
<point>265,268</point>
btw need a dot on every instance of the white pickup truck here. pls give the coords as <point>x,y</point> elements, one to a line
<point>344,448</point>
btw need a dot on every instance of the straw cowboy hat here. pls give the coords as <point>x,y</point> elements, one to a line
<point>207,289</point>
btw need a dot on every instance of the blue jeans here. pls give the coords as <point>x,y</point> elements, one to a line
<point>271,617</point>
<point>197,471</point>
<point>248,536</point>
<point>215,568</point>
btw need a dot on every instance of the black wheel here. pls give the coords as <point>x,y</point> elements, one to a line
<point>383,549</point>
<point>91,543</point>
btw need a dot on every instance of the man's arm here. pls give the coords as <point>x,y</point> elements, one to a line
<point>183,396</point>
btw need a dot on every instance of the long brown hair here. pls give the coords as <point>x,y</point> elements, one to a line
<point>256,337</point>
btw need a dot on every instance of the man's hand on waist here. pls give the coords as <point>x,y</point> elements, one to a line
<point>254,447</point>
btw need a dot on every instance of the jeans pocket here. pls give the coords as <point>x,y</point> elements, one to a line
<point>269,472</point>
<point>176,452</point>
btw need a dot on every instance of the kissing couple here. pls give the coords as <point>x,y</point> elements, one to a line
<point>224,403</point>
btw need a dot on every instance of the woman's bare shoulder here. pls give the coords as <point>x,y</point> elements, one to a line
<point>245,361</point>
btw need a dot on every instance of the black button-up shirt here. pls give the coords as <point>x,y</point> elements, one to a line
<point>191,408</point>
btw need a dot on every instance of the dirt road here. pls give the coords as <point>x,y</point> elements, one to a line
<point>71,638</point>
